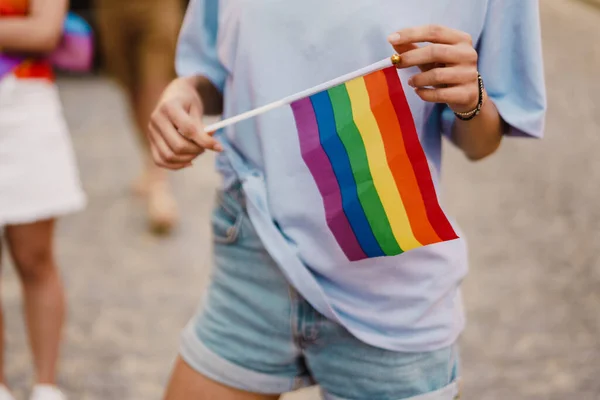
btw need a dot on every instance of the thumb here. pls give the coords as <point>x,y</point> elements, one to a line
<point>197,114</point>
<point>204,139</point>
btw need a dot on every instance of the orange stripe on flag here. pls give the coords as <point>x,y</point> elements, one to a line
<point>397,156</point>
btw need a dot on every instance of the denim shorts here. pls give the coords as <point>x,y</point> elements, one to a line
<point>254,332</point>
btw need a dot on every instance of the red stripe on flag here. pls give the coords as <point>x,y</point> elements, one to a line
<point>417,157</point>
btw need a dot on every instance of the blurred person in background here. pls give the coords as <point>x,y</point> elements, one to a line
<point>287,306</point>
<point>38,176</point>
<point>138,39</point>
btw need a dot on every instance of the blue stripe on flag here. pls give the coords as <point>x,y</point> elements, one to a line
<point>335,150</point>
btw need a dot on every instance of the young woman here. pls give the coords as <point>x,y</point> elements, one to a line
<point>138,40</point>
<point>38,176</point>
<point>287,307</point>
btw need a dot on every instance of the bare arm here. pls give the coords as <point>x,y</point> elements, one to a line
<point>481,136</point>
<point>38,32</point>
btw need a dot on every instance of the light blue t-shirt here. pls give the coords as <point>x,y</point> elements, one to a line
<point>257,52</point>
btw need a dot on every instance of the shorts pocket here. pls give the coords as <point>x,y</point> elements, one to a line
<point>227,219</point>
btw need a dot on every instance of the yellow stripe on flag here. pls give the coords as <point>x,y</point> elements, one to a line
<point>382,175</point>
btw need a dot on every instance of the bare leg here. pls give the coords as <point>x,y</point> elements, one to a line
<point>136,54</point>
<point>187,384</point>
<point>153,78</point>
<point>162,208</point>
<point>154,53</point>
<point>31,246</point>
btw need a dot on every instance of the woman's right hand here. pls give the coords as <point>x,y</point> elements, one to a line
<point>176,132</point>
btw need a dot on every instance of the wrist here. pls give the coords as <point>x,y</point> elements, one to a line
<point>184,83</point>
<point>209,95</point>
<point>464,108</point>
<point>181,85</point>
<point>192,81</point>
<point>473,111</point>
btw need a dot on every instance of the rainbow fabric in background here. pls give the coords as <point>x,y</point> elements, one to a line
<point>361,146</point>
<point>75,52</point>
<point>20,66</point>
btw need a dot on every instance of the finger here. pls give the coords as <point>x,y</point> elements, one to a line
<point>175,125</point>
<point>165,151</point>
<point>192,127</point>
<point>176,143</point>
<point>456,95</point>
<point>429,33</point>
<point>206,140</point>
<point>156,157</point>
<point>196,113</point>
<point>401,49</point>
<point>443,76</point>
<point>438,53</point>
<point>186,125</point>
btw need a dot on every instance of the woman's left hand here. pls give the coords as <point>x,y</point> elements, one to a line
<point>448,65</point>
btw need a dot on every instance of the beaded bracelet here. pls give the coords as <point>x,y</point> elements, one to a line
<point>467,116</point>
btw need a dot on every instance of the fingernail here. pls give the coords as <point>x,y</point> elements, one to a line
<point>394,37</point>
<point>218,147</point>
<point>411,82</point>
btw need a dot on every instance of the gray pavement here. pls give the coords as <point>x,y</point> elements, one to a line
<point>531,213</point>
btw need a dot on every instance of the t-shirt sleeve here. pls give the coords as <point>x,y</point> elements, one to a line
<point>511,64</point>
<point>197,47</point>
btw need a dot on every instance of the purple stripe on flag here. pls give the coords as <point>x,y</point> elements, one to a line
<point>320,167</point>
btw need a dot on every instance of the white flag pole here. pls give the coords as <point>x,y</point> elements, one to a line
<point>388,62</point>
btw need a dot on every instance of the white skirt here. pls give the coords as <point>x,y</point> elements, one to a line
<point>38,174</point>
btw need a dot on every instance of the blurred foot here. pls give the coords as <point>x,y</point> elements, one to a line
<point>162,208</point>
<point>47,392</point>
<point>5,394</point>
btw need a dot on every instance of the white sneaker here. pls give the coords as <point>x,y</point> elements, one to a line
<point>47,392</point>
<point>5,394</point>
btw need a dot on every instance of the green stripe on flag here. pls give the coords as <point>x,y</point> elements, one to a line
<point>367,194</point>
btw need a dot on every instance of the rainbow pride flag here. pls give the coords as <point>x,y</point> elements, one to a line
<point>359,141</point>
